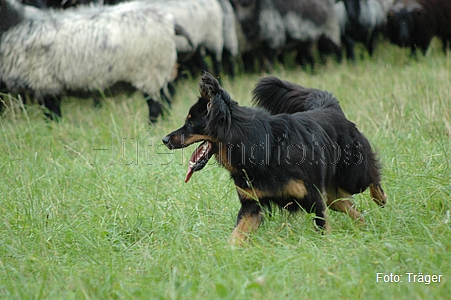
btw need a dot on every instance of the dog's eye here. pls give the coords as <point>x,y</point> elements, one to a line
<point>190,124</point>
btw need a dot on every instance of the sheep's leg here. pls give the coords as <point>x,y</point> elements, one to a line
<point>270,58</point>
<point>53,105</point>
<point>446,43</point>
<point>338,52</point>
<point>155,109</point>
<point>248,62</point>
<point>304,56</point>
<point>171,88</point>
<point>228,63</point>
<point>413,51</point>
<point>165,95</point>
<point>196,63</point>
<point>372,41</point>
<point>97,102</point>
<point>349,46</point>
<point>217,68</point>
<point>216,60</point>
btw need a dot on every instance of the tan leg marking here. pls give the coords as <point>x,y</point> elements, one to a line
<point>378,194</point>
<point>246,225</point>
<point>250,223</point>
<point>340,201</point>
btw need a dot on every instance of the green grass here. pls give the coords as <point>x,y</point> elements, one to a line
<point>120,223</point>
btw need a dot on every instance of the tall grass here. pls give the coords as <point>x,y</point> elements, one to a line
<point>95,207</point>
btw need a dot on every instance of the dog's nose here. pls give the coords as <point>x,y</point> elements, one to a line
<point>166,139</point>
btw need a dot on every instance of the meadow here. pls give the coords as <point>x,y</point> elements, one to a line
<point>95,207</point>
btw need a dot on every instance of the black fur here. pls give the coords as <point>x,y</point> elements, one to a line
<point>414,23</point>
<point>358,166</point>
<point>295,149</point>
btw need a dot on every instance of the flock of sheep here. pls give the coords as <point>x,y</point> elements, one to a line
<point>47,52</point>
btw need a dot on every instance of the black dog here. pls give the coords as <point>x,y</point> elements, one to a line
<point>295,149</point>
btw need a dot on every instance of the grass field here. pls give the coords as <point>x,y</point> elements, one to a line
<point>94,207</point>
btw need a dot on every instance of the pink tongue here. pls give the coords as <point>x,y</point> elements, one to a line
<point>189,173</point>
<point>193,160</point>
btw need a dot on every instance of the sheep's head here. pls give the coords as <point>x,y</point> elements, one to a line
<point>400,23</point>
<point>11,13</point>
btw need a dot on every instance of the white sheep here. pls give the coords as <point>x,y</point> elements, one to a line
<point>203,21</point>
<point>89,49</point>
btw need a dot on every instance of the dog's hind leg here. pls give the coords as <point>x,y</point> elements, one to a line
<point>340,201</point>
<point>378,194</point>
<point>321,216</point>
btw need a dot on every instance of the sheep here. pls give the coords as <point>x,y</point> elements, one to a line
<point>276,26</point>
<point>263,33</point>
<point>230,34</point>
<point>203,21</point>
<point>365,21</point>
<point>63,4</point>
<point>325,46</point>
<point>49,54</point>
<point>413,23</point>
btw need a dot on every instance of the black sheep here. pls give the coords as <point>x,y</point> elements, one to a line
<point>413,23</point>
<point>273,27</point>
<point>364,21</point>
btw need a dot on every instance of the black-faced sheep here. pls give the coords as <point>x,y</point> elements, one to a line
<point>413,23</point>
<point>272,27</point>
<point>49,53</point>
<point>364,21</point>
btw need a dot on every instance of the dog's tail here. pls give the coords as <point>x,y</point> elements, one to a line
<point>278,96</point>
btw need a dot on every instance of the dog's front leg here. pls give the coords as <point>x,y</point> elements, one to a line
<point>248,220</point>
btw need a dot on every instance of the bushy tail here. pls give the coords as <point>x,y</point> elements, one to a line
<point>278,96</point>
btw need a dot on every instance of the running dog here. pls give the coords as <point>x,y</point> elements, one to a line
<point>295,149</point>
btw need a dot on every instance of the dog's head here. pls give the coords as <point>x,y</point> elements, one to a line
<point>207,120</point>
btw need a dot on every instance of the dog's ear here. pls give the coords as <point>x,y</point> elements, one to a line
<point>219,111</point>
<point>219,117</point>
<point>218,99</point>
<point>219,102</point>
<point>208,86</point>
